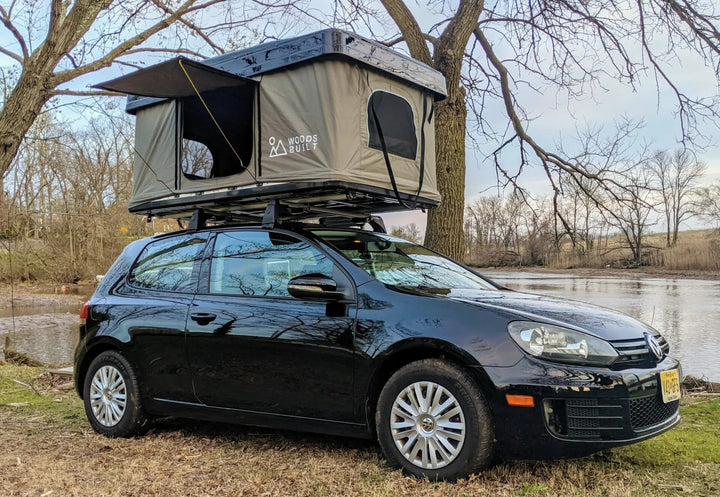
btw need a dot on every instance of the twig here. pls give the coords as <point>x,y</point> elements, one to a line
<point>31,387</point>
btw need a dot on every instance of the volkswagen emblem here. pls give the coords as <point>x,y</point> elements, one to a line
<point>654,346</point>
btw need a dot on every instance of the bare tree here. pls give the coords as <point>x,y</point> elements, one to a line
<point>630,212</point>
<point>709,203</point>
<point>677,175</point>
<point>488,51</point>
<point>581,212</point>
<point>494,228</point>
<point>58,41</point>
<point>410,232</point>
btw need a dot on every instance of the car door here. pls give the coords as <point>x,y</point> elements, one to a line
<point>152,312</point>
<point>252,346</point>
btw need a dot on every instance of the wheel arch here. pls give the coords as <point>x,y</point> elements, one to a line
<point>410,351</point>
<point>87,359</point>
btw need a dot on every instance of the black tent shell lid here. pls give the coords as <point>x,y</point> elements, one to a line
<point>273,56</point>
<point>172,79</point>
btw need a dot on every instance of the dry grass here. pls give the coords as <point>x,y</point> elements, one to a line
<point>49,449</point>
<point>696,250</point>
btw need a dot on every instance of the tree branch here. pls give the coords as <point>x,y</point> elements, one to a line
<point>410,30</point>
<point>5,19</point>
<point>121,49</point>
<point>190,26</point>
<point>87,93</point>
<point>12,55</point>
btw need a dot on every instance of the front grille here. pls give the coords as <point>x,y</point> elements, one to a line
<point>649,411</point>
<point>635,351</point>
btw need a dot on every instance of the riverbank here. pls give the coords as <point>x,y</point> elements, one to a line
<point>635,273</point>
<point>39,324</point>
<point>49,449</point>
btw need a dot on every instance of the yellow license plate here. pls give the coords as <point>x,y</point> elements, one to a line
<point>670,385</point>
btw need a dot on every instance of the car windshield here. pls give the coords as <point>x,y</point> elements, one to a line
<point>403,264</point>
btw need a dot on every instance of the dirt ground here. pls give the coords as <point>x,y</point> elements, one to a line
<point>48,449</point>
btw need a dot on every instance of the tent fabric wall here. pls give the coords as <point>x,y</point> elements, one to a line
<point>155,153</point>
<point>313,127</point>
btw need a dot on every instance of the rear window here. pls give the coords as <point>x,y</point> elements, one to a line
<point>169,264</point>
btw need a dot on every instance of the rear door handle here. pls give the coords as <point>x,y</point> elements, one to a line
<point>202,317</point>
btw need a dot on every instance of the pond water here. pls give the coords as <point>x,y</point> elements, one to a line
<point>47,333</point>
<point>685,311</point>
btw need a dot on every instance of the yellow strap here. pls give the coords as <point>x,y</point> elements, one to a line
<point>213,117</point>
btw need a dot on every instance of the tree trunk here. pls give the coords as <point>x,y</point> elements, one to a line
<point>445,223</point>
<point>21,108</point>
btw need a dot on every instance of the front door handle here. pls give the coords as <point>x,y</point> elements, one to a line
<point>202,318</point>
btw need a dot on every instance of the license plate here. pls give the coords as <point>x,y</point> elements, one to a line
<point>670,385</point>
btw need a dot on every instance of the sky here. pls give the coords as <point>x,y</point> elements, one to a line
<point>555,119</point>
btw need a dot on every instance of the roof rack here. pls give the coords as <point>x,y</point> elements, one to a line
<point>334,203</point>
<point>277,215</point>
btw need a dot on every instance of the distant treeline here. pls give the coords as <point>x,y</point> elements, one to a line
<point>63,206</point>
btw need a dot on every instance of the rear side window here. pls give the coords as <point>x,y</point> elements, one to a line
<point>397,124</point>
<point>168,264</point>
<point>260,263</point>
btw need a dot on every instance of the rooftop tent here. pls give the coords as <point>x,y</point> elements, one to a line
<point>195,136</point>
<point>329,120</point>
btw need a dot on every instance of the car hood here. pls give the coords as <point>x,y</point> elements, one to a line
<point>599,321</point>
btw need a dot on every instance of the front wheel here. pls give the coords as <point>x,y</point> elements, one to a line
<point>112,397</point>
<point>433,421</point>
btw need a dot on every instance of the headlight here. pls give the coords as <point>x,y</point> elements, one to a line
<point>555,343</point>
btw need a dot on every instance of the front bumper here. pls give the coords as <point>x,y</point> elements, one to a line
<point>577,410</point>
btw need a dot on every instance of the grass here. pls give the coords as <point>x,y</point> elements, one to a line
<point>696,250</point>
<point>49,449</point>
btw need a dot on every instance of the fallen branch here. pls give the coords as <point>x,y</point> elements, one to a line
<point>27,385</point>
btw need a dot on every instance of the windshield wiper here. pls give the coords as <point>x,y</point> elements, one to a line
<point>423,289</point>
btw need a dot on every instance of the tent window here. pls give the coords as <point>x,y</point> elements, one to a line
<point>197,160</point>
<point>397,124</point>
<point>205,152</point>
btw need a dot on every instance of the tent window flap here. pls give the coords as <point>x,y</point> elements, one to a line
<point>177,78</point>
<point>397,124</point>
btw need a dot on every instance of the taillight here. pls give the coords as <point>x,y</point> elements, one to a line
<point>84,311</point>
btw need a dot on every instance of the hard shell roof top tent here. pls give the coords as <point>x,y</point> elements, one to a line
<point>326,123</point>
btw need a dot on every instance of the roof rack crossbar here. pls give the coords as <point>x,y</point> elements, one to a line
<point>198,220</point>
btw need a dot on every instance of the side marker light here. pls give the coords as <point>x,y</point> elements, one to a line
<point>520,400</point>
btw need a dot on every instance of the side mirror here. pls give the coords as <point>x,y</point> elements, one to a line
<point>314,287</point>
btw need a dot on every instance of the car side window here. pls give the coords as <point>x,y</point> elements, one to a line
<point>167,264</point>
<point>260,263</point>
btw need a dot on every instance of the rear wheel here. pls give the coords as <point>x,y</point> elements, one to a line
<point>433,421</point>
<point>112,397</point>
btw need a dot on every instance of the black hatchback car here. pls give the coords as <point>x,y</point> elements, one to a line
<point>363,334</point>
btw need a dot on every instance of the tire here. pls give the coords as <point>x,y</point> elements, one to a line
<point>433,421</point>
<point>112,397</point>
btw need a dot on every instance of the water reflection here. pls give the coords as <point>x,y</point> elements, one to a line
<point>53,346</point>
<point>47,332</point>
<point>685,311</point>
